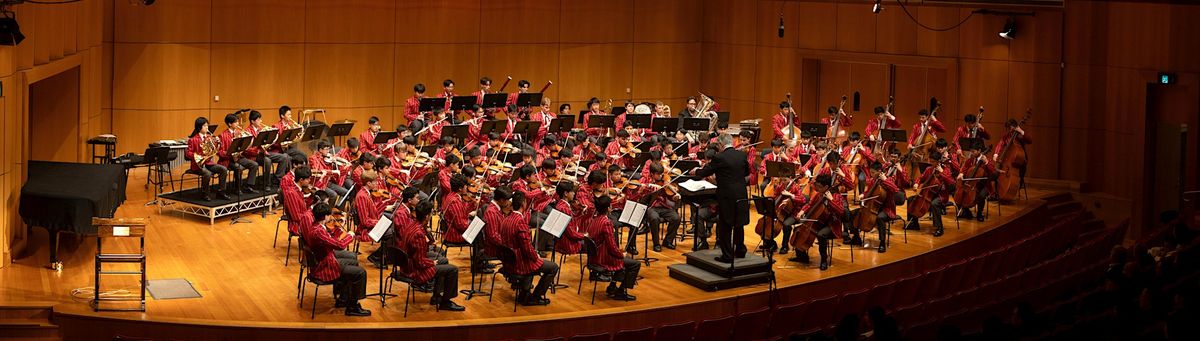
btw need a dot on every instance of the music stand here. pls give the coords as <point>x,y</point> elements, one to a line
<point>313,132</point>
<point>212,128</point>
<point>639,121</point>
<point>288,136</point>
<point>529,99</point>
<point>601,121</point>
<point>803,158</point>
<point>582,115</point>
<point>459,103</point>
<point>492,101</point>
<point>686,165</point>
<point>675,146</point>
<point>723,117</point>
<point>696,123</point>
<point>894,135</point>
<point>562,123</point>
<point>617,111</point>
<point>430,103</point>
<point>639,160</point>
<point>340,130</point>
<point>156,158</point>
<point>430,149</point>
<point>497,126</point>
<point>527,128</point>
<point>663,125</point>
<point>458,132</point>
<point>777,169</point>
<point>815,129</point>
<point>237,147</point>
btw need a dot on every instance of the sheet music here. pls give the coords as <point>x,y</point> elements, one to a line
<point>696,186</point>
<point>633,213</point>
<point>473,230</point>
<point>556,223</point>
<point>380,228</point>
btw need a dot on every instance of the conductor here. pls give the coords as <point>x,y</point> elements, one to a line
<point>733,208</point>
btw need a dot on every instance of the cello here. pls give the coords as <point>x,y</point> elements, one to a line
<point>1012,157</point>
<point>805,232</point>
<point>873,204</point>
<point>966,192</point>
<point>919,205</point>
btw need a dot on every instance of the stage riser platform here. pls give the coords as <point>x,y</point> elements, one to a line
<point>191,201</point>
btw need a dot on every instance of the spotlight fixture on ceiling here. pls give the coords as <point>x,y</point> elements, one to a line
<point>1010,29</point>
<point>878,7</point>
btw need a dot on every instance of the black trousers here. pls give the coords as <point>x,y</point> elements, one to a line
<point>628,276</point>
<point>659,215</point>
<point>244,164</point>
<point>731,239</point>
<point>824,234</point>
<point>445,281</point>
<point>352,285</point>
<point>208,171</point>
<point>548,271</point>
<point>282,164</point>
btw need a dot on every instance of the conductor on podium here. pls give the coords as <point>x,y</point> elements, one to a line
<point>733,208</point>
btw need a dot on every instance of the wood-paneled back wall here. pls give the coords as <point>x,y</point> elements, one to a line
<point>58,38</point>
<point>361,58</point>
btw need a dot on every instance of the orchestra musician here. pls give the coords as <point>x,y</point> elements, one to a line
<point>594,109</point>
<point>883,120</point>
<point>804,146</point>
<point>790,189</point>
<point>412,105</point>
<point>544,118</point>
<point>1021,139</point>
<point>295,201</point>
<point>938,179</point>
<point>839,116</point>
<point>928,125</point>
<point>857,156</point>
<point>742,141</point>
<point>779,123</point>
<point>283,162</point>
<point>827,224</point>
<point>334,264</point>
<point>485,87</point>
<point>877,177</point>
<point>367,138</point>
<point>370,201</point>
<point>237,162</point>
<point>209,167</point>
<point>507,226</point>
<point>981,170</point>
<point>457,211</point>
<point>447,92</point>
<point>324,162</point>
<point>689,109</point>
<point>731,170</point>
<point>412,239</point>
<point>286,122</point>
<point>621,150</point>
<point>973,129</point>
<point>664,197</point>
<point>608,254</point>
<point>565,201</point>
<point>402,212</point>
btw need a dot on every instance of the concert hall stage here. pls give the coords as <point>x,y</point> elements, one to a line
<point>248,291</point>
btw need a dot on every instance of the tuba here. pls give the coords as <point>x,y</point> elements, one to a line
<point>703,111</point>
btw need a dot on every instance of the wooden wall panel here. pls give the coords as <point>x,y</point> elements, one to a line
<point>742,80</point>
<point>979,37</point>
<point>348,75</point>
<point>855,27</point>
<point>1185,43</point>
<point>665,70</point>
<point>137,128</point>
<point>267,21</point>
<point>257,75</point>
<point>595,70</point>
<point>536,63</point>
<point>525,21</point>
<point>938,43</point>
<point>183,21</point>
<point>160,76</point>
<point>873,82</point>
<point>912,93</point>
<point>723,21</point>
<point>430,64</point>
<point>426,21</point>
<point>983,82</point>
<point>778,73</point>
<point>1139,35</point>
<point>667,21</point>
<point>895,33</point>
<point>1036,87</point>
<point>834,83</point>
<point>715,75</point>
<point>597,21</point>
<point>350,21</point>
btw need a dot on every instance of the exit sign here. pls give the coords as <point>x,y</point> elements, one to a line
<point>1166,78</point>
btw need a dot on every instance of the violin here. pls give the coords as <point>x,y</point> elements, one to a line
<point>381,193</point>
<point>336,225</point>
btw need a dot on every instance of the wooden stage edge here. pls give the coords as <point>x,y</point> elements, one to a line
<point>239,305</point>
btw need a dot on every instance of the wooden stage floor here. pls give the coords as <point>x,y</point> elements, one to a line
<point>244,282</point>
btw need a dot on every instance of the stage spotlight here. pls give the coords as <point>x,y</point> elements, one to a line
<point>10,32</point>
<point>1010,29</point>
<point>878,7</point>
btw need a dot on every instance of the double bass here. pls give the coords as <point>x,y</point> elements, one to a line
<point>1012,158</point>
<point>925,139</point>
